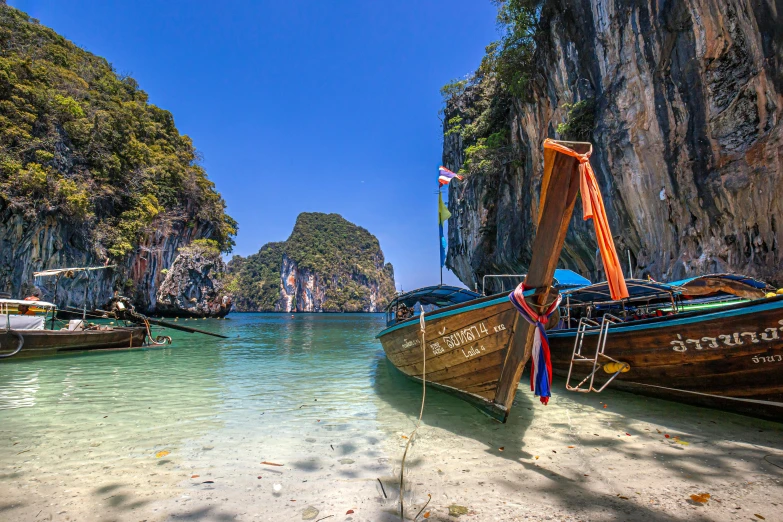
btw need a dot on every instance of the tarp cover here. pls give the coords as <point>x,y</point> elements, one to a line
<point>21,322</point>
<point>637,289</point>
<point>733,284</point>
<point>439,296</point>
<point>565,279</point>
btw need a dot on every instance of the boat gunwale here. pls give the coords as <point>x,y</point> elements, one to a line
<point>475,304</point>
<point>743,308</point>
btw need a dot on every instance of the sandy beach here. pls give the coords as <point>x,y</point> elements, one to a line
<point>612,456</point>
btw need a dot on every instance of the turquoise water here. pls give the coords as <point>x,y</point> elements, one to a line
<point>311,392</point>
<point>187,432</point>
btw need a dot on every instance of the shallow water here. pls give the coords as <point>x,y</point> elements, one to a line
<point>182,432</point>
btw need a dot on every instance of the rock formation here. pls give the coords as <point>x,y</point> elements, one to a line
<point>91,173</point>
<point>193,286</point>
<point>327,265</point>
<point>685,102</point>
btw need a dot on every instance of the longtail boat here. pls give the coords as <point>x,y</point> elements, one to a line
<point>24,332</point>
<point>714,341</point>
<point>476,347</point>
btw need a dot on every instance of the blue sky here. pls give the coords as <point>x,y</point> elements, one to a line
<point>302,105</point>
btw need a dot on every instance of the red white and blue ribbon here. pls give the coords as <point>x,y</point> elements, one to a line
<point>540,360</point>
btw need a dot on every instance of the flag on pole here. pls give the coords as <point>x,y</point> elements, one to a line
<point>445,175</point>
<point>443,215</point>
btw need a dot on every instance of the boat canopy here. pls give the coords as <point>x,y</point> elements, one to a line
<point>61,271</point>
<point>638,289</point>
<point>18,302</point>
<point>734,284</point>
<point>566,279</point>
<point>438,296</point>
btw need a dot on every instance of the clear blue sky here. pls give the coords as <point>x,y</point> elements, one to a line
<point>328,106</point>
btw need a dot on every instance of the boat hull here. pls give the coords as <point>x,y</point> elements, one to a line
<point>731,359</point>
<point>43,343</point>
<point>465,347</point>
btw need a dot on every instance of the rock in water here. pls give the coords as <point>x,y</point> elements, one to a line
<point>683,107</point>
<point>327,265</point>
<point>193,286</point>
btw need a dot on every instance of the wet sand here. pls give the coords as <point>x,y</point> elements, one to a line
<point>572,460</point>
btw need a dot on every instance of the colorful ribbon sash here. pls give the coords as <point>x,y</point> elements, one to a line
<point>540,360</point>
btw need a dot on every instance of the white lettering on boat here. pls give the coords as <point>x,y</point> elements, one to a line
<point>472,351</point>
<point>732,339</point>
<point>767,358</point>
<point>408,344</point>
<point>436,348</point>
<point>466,335</point>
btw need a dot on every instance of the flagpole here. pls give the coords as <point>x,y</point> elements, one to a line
<point>440,237</point>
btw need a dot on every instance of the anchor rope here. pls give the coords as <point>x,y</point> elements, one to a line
<point>421,412</point>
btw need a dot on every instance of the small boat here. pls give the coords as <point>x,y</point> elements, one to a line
<point>23,332</point>
<point>476,347</point>
<point>714,341</point>
<point>23,323</point>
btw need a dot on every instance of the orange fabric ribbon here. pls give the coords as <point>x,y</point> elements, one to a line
<point>593,208</point>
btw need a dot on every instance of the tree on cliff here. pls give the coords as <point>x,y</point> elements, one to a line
<point>80,142</point>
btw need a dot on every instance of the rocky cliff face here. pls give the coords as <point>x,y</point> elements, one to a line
<point>27,247</point>
<point>193,286</point>
<point>91,173</point>
<point>327,265</point>
<point>687,101</point>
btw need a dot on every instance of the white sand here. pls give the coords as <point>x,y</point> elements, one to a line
<point>571,460</point>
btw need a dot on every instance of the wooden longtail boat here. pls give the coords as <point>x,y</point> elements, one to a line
<point>477,347</point>
<point>725,355</point>
<point>23,336</point>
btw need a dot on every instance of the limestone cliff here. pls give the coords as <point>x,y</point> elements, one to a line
<point>327,265</point>
<point>90,173</point>
<point>683,103</point>
<point>193,286</point>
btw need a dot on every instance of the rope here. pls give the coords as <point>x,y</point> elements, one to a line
<point>18,348</point>
<point>421,411</point>
<point>158,340</point>
<point>540,360</point>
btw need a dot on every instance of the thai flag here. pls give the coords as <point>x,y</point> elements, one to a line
<point>445,175</point>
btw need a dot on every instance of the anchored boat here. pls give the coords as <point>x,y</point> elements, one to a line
<point>476,347</point>
<point>713,341</point>
<point>24,333</point>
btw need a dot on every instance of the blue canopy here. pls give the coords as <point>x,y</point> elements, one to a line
<point>566,279</point>
<point>439,296</point>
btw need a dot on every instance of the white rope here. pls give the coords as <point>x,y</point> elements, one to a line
<point>421,412</point>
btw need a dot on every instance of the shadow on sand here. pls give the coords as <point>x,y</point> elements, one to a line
<point>716,442</point>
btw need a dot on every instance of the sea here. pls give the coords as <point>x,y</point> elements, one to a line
<point>301,417</point>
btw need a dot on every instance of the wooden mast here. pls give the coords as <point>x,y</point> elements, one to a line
<point>559,187</point>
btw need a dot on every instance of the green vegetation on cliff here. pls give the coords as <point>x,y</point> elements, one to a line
<point>254,281</point>
<point>504,74</point>
<point>81,142</point>
<point>345,261</point>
